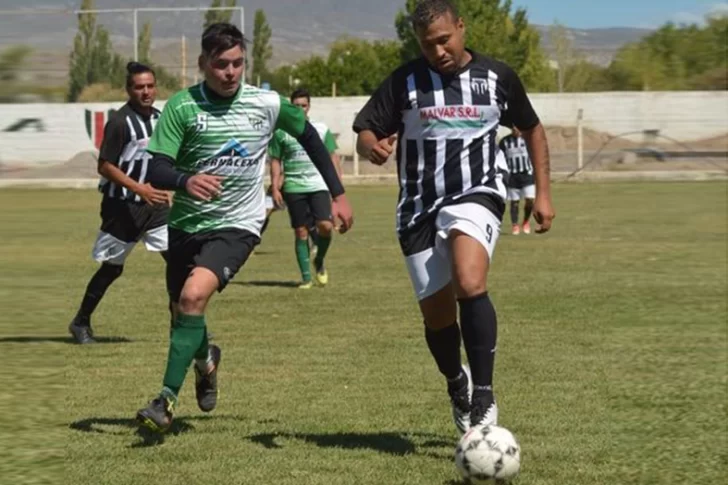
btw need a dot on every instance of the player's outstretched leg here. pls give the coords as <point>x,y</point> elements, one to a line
<point>80,327</point>
<point>325,229</point>
<point>188,342</point>
<point>303,257</point>
<point>478,322</point>
<point>442,334</point>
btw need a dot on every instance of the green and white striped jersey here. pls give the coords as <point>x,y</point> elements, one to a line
<point>300,175</point>
<point>228,137</point>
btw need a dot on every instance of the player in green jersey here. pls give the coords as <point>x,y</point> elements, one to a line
<point>304,191</point>
<point>209,146</point>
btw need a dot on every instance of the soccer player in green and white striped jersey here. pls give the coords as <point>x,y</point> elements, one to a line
<point>209,146</point>
<point>294,178</point>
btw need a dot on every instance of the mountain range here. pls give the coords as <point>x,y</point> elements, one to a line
<point>300,29</point>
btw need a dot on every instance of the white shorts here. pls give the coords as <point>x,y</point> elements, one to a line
<point>430,269</point>
<point>109,249</point>
<point>527,192</point>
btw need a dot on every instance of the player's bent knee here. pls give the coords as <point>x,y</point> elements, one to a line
<point>302,232</point>
<point>469,284</point>
<point>324,227</point>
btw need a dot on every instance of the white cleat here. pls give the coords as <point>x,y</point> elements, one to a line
<point>460,402</point>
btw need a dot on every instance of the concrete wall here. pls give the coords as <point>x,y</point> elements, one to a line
<point>37,133</point>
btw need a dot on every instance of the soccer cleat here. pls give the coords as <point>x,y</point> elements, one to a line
<point>483,410</point>
<point>516,230</point>
<point>82,334</point>
<point>322,277</point>
<point>158,415</point>
<point>206,384</point>
<point>305,285</point>
<point>526,228</point>
<point>460,401</point>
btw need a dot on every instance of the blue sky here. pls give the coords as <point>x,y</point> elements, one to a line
<point>609,13</point>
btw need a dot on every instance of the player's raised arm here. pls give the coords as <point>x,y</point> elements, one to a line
<point>292,120</point>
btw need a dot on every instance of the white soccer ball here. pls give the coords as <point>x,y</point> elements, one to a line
<point>487,453</point>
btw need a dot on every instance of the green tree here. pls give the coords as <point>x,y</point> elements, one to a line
<point>313,73</point>
<point>262,50</point>
<point>216,16</point>
<point>675,58</point>
<point>491,28</point>
<point>12,62</point>
<point>144,43</point>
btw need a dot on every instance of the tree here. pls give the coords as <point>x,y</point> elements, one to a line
<point>492,29</point>
<point>262,50</point>
<point>675,58</point>
<point>563,50</point>
<point>216,16</point>
<point>144,44</point>
<point>12,61</point>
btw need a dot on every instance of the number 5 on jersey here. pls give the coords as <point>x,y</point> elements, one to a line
<point>201,122</point>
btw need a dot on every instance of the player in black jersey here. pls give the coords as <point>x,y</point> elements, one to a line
<point>520,179</point>
<point>131,209</point>
<point>444,108</point>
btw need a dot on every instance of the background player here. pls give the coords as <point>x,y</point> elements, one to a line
<point>520,179</point>
<point>451,190</point>
<point>131,209</point>
<point>304,192</point>
<point>210,146</point>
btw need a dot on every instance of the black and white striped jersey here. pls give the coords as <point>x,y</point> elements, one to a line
<point>516,152</point>
<point>446,126</point>
<point>126,136</point>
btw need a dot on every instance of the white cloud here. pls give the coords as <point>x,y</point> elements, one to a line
<point>718,9</point>
<point>687,18</point>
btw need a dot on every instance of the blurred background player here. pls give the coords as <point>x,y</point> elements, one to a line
<point>520,181</point>
<point>304,192</point>
<point>131,209</point>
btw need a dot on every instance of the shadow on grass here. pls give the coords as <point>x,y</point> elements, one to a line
<point>393,443</point>
<point>148,438</point>
<point>61,340</point>
<point>268,284</point>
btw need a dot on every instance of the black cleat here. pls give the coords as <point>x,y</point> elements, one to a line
<point>483,409</point>
<point>460,393</point>
<point>158,415</point>
<point>82,334</point>
<point>206,384</point>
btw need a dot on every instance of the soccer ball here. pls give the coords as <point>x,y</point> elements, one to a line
<point>486,453</point>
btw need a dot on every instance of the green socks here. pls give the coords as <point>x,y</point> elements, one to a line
<point>188,341</point>
<point>303,258</point>
<point>323,246</point>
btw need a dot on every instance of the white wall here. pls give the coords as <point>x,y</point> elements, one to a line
<point>60,130</point>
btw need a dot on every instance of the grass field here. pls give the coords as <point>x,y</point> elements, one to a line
<point>612,356</point>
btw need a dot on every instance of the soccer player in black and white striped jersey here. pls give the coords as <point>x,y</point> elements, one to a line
<point>520,179</point>
<point>131,209</point>
<point>444,108</point>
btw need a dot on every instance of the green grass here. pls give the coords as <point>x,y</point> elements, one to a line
<point>611,366</point>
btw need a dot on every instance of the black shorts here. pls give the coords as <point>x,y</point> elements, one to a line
<point>305,208</point>
<point>520,180</point>
<point>128,221</point>
<point>223,252</point>
<point>422,235</point>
